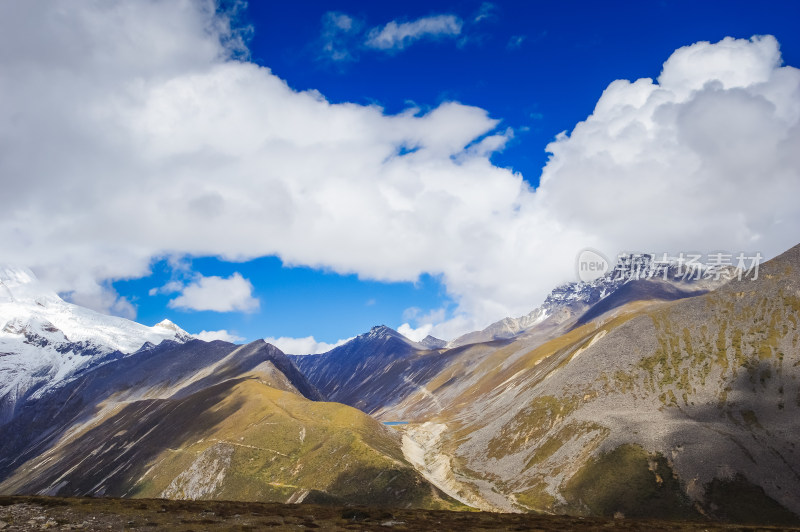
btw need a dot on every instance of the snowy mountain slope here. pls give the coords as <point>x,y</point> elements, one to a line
<point>44,340</point>
<point>22,297</point>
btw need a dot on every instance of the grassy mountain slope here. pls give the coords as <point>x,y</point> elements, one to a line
<point>240,431</point>
<point>696,402</point>
<point>650,403</point>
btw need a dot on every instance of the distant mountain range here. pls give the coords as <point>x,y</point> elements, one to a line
<point>644,397</point>
<point>369,371</point>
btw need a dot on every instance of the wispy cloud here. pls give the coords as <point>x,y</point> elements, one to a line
<point>515,41</point>
<point>396,36</point>
<point>485,12</point>
<point>169,288</point>
<point>340,36</point>
<point>343,37</point>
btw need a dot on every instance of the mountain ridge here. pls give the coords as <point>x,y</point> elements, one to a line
<point>675,400</point>
<point>702,388</point>
<point>205,420</point>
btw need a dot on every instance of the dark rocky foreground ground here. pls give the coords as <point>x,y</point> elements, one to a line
<point>54,513</point>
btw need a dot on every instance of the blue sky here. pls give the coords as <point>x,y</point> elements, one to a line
<point>294,302</point>
<point>305,170</point>
<point>538,66</point>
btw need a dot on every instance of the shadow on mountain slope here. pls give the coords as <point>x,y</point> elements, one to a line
<point>642,290</point>
<point>735,442</point>
<point>111,457</point>
<point>150,373</point>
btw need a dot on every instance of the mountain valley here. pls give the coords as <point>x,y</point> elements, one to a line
<point>640,398</point>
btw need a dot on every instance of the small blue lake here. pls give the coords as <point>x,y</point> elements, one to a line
<point>390,423</point>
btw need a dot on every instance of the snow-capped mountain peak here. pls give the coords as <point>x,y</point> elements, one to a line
<point>23,297</point>
<point>170,326</point>
<point>19,284</point>
<point>44,340</point>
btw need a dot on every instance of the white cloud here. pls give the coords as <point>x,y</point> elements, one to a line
<point>415,334</point>
<point>699,159</point>
<point>169,288</point>
<point>485,12</point>
<point>222,334</point>
<point>427,322</point>
<point>96,294</point>
<point>396,36</point>
<point>303,346</point>
<point>156,145</point>
<point>123,307</point>
<point>340,32</point>
<point>218,294</point>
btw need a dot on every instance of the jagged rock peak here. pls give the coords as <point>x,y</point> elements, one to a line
<point>431,342</point>
<point>380,331</point>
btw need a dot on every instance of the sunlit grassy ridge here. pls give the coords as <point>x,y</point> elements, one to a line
<point>238,440</point>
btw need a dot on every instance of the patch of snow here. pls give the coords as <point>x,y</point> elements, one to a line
<point>44,340</point>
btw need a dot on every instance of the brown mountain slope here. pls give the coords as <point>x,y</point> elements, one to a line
<point>688,408</point>
<point>229,433</point>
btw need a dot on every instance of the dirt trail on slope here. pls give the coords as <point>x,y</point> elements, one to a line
<point>422,447</point>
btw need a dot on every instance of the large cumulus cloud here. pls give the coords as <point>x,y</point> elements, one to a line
<point>129,131</point>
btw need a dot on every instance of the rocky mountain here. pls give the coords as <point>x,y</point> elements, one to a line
<point>431,342</point>
<point>205,421</point>
<point>45,341</point>
<point>660,397</point>
<point>666,280</point>
<point>379,369</point>
<point>645,405</point>
<point>372,369</point>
